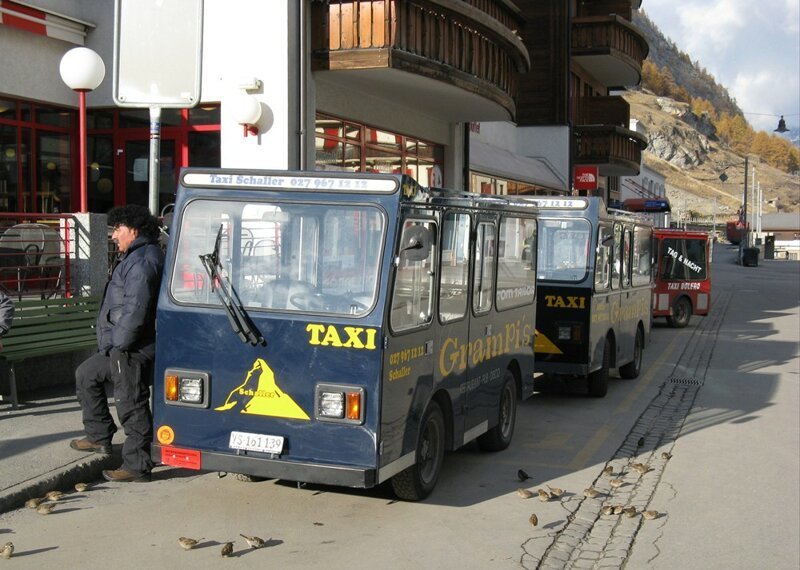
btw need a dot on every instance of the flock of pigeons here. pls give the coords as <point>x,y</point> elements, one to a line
<point>45,505</point>
<point>592,493</point>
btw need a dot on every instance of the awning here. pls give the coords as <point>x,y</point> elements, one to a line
<point>646,205</point>
<point>503,163</point>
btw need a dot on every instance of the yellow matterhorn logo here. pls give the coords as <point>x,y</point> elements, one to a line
<point>265,397</point>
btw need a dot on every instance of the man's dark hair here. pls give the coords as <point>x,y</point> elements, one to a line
<point>135,217</point>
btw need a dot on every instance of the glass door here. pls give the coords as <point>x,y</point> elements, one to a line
<point>135,186</point>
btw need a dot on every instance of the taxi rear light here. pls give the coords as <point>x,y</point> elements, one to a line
<point>337,403</point>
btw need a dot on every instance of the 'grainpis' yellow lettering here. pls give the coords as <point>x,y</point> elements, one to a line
<point>453,354</point>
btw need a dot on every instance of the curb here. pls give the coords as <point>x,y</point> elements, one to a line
<point>63,478</point>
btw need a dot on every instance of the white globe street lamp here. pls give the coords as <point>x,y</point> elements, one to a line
<point>82,70</point>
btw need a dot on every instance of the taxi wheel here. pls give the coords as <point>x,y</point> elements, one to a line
<point>499,437</point>
<point>598,380</point>
<point>632,369</point>
<point>416,482</point>
<point>681,313</point>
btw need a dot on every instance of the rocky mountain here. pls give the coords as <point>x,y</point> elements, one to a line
<point>684,148</point>
<point>688,74</point>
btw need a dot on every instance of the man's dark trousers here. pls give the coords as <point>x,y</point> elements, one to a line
<point>129,373</point>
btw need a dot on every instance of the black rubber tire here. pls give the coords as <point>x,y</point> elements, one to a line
<point>681,313</point>
<point>631,370</point>
<point>499,437</point>
<point>416,482</point>
<point>597,381</point>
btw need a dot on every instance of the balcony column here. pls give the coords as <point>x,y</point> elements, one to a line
<point>261,61</point>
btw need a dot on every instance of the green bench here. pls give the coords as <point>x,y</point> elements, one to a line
<point>48,326</point>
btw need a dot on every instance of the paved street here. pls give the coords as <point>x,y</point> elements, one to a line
<point>721,396</point>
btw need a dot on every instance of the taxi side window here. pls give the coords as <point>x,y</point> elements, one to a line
<point>412,294</point>
<point>454,272</point>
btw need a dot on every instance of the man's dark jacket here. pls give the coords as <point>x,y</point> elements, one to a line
<point>127,316</point>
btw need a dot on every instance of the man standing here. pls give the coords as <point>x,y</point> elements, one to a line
<point>6,313</point>
<point>126,347</point>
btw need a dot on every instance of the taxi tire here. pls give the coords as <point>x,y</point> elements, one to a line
<point>597,381</point>
<point>681,313</point>
<point>416,482</point>
<point>631,370</point>
<point>499,437</point>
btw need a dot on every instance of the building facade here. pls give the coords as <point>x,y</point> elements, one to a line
<point>487,95</point>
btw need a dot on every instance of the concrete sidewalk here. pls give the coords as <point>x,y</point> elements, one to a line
<point>35,456</point>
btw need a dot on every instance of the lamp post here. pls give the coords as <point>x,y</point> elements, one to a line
<point>82,70</point>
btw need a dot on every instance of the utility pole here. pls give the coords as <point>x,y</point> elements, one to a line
<point>714,217</point>
<point>745,236</point>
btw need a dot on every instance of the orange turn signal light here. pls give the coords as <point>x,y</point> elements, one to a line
<point>353,406</point>
<point>171,388</point>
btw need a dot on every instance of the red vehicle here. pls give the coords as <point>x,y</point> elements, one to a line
<point>734,230</point>
<point>683,275</point>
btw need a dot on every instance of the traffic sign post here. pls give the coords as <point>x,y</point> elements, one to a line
<point>157,63</point>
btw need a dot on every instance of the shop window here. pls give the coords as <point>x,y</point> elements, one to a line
<point>100,180</point>
<point>204,115</point>
<point>8,168</point>
<point>53,117</point>
<point>54,173</point>
<point>204,149</point>
<point>100,119</point>
<point>8,109</point>
<point>140,118</point>
<point>344,145</point>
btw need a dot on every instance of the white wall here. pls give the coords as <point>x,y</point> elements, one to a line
<point>550,144</point>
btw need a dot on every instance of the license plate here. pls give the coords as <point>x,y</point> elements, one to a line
<point>256,442</point>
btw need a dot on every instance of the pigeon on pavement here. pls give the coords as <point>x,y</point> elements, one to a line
<point>254,541</point>
<point>188,543</point>
<point>524,493</point>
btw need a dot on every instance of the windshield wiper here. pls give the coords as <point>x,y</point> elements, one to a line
<point>240,321</point>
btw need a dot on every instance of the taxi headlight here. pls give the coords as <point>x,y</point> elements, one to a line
<point>338,403</point>
<point>186,388</point>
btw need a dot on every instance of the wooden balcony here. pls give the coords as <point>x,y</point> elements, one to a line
<point>622,8</point>
<point>459,59</point>
<point>612,110</point>
<point>610,48</point>
<point>617,151</point>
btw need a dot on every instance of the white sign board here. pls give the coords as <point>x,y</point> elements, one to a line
<point>157,53</point>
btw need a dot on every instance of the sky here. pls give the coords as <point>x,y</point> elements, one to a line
<point>752,47</point>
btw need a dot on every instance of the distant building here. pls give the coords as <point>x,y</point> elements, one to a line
<point>648,184</point>
<point>786,229</point>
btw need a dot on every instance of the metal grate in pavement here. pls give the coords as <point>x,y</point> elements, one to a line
<point>685,380</point>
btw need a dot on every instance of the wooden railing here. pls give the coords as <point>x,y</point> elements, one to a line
<point>461,42</point>
<point>609,145</point>
<point>606,33</point>
<point>612,110</point>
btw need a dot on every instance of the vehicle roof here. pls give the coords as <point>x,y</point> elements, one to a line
<point>672,232</point>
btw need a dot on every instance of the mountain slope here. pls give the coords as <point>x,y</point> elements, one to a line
<point>693,161</point>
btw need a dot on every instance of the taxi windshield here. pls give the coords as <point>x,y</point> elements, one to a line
<point>563,249</point>
<point>295,257</point>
